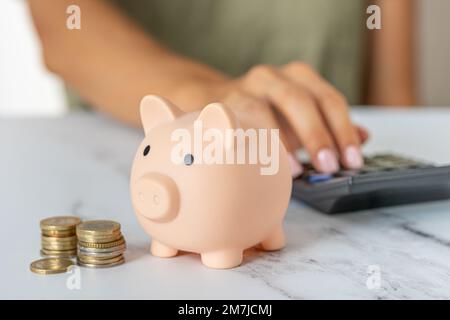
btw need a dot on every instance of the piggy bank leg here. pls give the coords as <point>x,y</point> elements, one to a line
<point>223,259</point>
<point>275,241</point>
<point>161,250</point>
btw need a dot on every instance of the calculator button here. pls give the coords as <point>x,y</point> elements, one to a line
<point>318,177</point>
<point>365,170</point>
<point>347,173</point>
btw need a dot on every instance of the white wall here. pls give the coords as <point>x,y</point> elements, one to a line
<point>433,27</point>
<point>26,88</point>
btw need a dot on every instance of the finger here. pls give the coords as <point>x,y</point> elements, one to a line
<point>291,137</point>
<point>362,133</point>
<point>293,142</point>
<point>271,123</point>
<point>334,109</point>
<point>258,113</point>
<point>299,109</point>
<point>255,112</point>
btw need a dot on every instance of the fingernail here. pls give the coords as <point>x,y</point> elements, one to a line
<point>353,157</point>
<point>327,160</point>
<point>296,168</point>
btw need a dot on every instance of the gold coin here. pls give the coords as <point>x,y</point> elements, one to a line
<point>91,265</point>
<point>99,259</point>
<point>52,240</point>
<point>119,242</point>
<point>58,254</point>
<point>61,253</point>
<point>100,239</point>
<point>114,233</point>
<point>60,223</point>
<point>59,247</point>
<point>98,228</point>
<point>58,233</point>
<point>50,265</point>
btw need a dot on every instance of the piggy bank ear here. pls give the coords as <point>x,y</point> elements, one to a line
<point>156,110</point>
<point>217,116</point>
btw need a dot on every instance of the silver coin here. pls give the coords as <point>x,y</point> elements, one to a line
<point>95,266</point>
<point>101,250</point>
<point>101,255</point>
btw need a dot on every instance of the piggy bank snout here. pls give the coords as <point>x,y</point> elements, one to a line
<point>156,197</point>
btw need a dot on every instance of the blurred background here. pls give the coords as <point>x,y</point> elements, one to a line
<point>26,88</point>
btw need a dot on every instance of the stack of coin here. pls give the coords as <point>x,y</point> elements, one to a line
<point>100,244</point>
<point>58,236</point>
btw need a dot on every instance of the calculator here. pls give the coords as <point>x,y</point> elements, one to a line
<point>385,180</point>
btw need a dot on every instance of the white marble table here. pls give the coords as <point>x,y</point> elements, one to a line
<point>80,165</point>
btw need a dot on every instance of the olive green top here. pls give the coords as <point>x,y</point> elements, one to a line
<point>234,35</point>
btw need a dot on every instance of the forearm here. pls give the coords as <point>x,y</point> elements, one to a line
<point>391,65</point>
<point>112,63</point>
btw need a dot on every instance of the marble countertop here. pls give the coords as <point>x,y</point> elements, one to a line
<point>80,165</point>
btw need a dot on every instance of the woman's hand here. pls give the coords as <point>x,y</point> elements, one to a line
<point>114,69</point>
<point>308,111</point>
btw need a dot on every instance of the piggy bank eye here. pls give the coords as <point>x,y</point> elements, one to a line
<point>146,150</point>
<point>188,159</point>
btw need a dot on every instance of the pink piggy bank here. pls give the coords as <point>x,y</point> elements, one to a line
<point>196,186</point>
